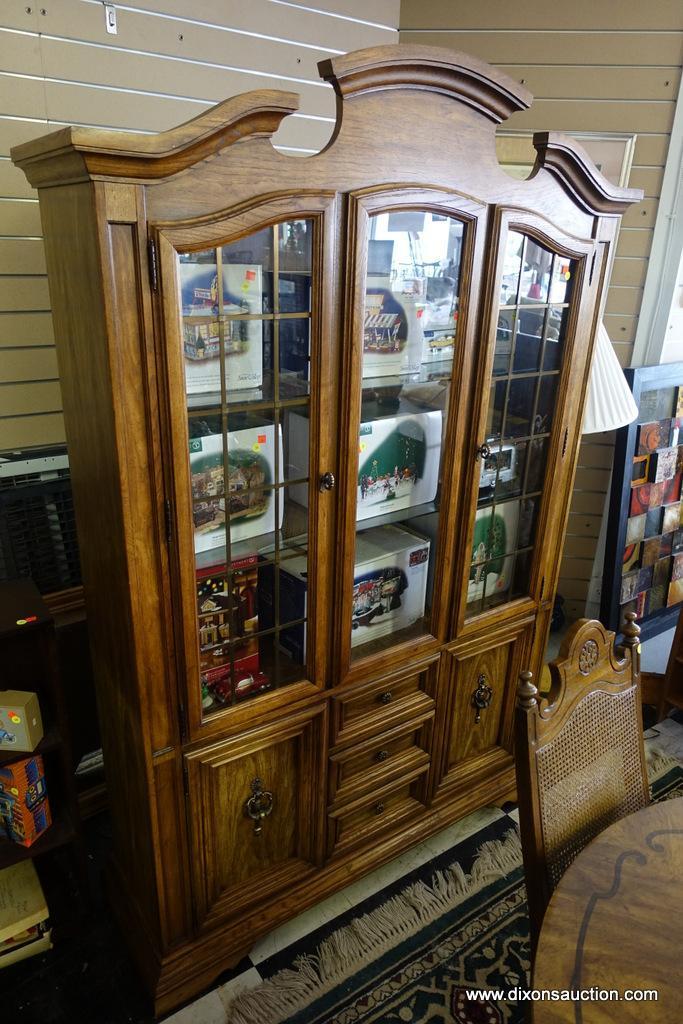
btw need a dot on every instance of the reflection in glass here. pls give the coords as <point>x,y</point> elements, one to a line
<point>409,340</point>
<point>246,315</point>
<point>531,331</point>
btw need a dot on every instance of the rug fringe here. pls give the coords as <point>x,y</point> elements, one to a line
<point>367,937</point>
<point>659,762</point>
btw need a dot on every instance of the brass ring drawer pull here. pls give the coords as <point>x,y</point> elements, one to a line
<point>379,808</point>
<point>481,698</point>
<point>259,805</point>
<point>386,698</point>
<point>381,755</point>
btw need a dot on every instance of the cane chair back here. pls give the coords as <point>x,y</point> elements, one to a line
<point>580,757</point>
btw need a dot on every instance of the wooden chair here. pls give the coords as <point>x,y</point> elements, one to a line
<point>580,757</point>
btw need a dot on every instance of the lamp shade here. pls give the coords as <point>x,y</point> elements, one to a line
<point>610,403</point>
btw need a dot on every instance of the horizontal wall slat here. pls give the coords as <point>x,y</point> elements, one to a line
<point>29,431</point>
<point>608,15</point>
<point>624,300</point>
<point>22,256</point>
<point>624,351</point>
<point>24,293</point>
<point>647,178</point>
<point>587,503</point>
<point>621,328</point>
<point>580,547</point>
<point>587,48</point>
<point>641,215</point>
<point>19,218</point>
<point>38,397</point>
<point>592,479</point>
<point>596,456</point>
<point>597,116</point>
<point>651,150</point>
<point>13,183</point>
<point>579,525</point>
<point>26,329</point>
<point>384,12</point>
<point>629,272</point>
<point>573,571</point>
<point>633,242</point>
<point>149,72</point>
<point>609,83</point>
<point>305,26</point>
<point>24,364</point>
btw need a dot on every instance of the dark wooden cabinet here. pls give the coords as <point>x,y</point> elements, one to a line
<point>323,420</point>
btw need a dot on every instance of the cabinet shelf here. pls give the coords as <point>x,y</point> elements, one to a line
<point>59,833</point>
<point>52,740</point>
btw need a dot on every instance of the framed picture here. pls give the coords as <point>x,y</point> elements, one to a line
<point>612,153</point>
<point>644,542</point>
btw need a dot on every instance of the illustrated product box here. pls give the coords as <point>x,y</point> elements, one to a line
<point>24,916</point>
<point>21,725</point>
<point>392,329</point>
<point>398,461</point>
<point>227,610</point>
<point>250,498</point>
<point>24,807</point>
<point>244,680</point>
<point>389,588</point>
<point>495,538</point>
<point>439,320</point>
<point>204,317</point>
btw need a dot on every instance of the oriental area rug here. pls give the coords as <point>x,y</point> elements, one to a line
<point>411,953</point>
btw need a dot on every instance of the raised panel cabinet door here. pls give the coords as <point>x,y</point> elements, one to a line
<point>476,694</point>
<point>536,352</point>
<point>256,807</point>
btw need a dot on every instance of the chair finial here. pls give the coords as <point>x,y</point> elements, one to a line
<point>526,691</point>
<point>631,630</point>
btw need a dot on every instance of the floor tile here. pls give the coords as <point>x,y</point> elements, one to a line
<point>226,993</point>
<point>207,1010</point>
<point>292,931</point>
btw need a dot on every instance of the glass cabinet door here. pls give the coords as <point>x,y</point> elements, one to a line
<point>246,343</point>
<point>534,303</point>
<point>409,338</point>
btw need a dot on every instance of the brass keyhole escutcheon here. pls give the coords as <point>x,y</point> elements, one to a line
<point>259,805</point>
<point>481,698</point>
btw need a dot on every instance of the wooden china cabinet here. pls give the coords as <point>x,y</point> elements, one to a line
<point>323,418</point>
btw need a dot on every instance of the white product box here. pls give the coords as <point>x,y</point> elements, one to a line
<point>243,339</point>
<point>389,588</point>
<point>398,461</point>
<point>392,331</point>
<point>494,540</point>
<point>250,498</point>
<point>389,583</point>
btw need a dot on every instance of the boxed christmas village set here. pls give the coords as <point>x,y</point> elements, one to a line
<point>408,325</point>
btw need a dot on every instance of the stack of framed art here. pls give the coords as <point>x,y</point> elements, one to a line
<point>644,546</point>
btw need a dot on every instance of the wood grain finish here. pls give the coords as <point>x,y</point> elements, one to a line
<point>589,677</point>
<point>626,883</point>
<point>202,885</point>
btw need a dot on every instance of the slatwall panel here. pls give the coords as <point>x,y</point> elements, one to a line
<point>169,61</point>
<point>608,66</point>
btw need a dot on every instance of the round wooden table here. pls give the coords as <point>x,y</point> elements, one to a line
<point>615,921</point>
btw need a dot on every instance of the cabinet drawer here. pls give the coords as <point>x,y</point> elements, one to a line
<point>381,811</point>
<point>380,759</point>
<point>361,711</point>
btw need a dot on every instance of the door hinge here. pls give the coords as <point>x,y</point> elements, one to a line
<point>186,779</point>
<point>153,266</point>
<point>540,596</point>
<point>590,276</point>
<point>167,520</point>
<point>564,441</point>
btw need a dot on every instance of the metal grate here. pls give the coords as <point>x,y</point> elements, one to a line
<point>37,523</point>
